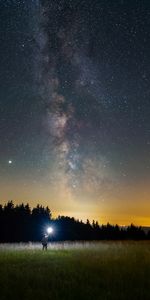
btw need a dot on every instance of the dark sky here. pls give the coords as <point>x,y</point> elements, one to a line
<point>75,107</point>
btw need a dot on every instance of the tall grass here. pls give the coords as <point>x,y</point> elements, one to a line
<point>100,270</point>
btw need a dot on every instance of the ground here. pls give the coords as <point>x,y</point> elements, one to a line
<point>102,270</point>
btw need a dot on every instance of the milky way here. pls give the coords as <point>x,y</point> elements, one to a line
<point>74,105</point>
<point>70,87</point>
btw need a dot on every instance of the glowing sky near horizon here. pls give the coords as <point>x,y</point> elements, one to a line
<point>75,107</point>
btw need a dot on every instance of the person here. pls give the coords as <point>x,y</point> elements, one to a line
<point>45,242</point>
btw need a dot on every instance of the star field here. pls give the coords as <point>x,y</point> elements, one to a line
<point>75,107</point>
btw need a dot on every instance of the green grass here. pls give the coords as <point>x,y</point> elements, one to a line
<point>109,270</point>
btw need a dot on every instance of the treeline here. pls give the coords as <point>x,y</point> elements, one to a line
<point>20,223</point>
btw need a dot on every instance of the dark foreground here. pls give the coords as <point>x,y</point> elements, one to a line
<point>103,270</point>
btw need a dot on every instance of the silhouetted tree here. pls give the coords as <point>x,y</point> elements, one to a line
<point>21,223</point>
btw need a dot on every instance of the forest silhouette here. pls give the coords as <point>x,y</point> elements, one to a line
<point>20,223</point>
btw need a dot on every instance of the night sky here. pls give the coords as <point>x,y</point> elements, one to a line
<point>75,107</point>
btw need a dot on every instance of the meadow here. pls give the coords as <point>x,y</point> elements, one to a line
<point>96,270</point>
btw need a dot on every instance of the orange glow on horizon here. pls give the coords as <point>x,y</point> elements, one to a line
<point>123,207</point>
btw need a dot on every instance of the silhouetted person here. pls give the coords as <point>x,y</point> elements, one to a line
<point>45,242</point>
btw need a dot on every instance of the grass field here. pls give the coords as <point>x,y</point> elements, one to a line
<point>103,270</point>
